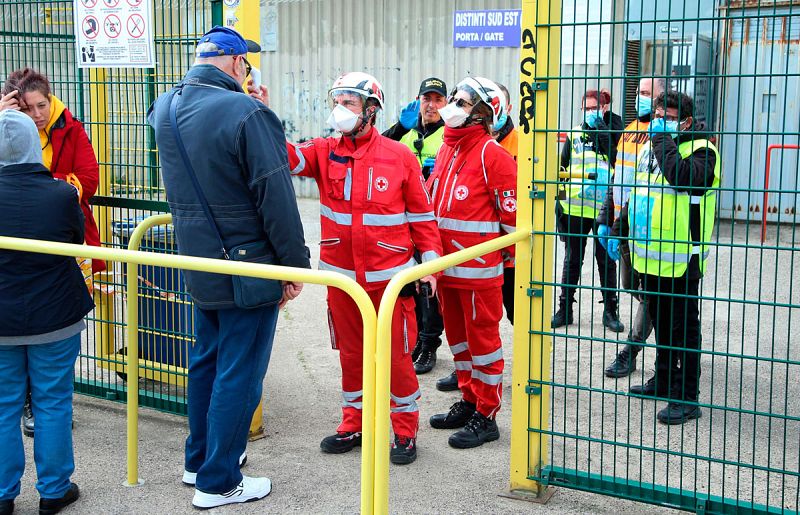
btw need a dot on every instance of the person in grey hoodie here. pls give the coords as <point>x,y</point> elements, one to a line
<point>43,301</point>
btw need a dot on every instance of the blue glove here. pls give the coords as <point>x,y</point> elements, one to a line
<point>613,249</point>
<point>602,235</point>
<point>428,163</point>
<point>409,115</point>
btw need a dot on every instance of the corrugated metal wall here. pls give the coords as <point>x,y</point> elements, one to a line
<point>761,54</point>
<point>400,43</point>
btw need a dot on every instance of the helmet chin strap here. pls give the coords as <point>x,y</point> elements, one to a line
<point>364,121</point>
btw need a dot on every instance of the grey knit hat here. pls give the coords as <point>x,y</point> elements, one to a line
<point>19,139</point>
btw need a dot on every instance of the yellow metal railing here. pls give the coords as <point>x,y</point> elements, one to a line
<point>383,352</point>
<point>218,266</point>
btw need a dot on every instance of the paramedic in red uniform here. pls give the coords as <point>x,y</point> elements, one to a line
<point>375,211</point>
<point>473,186</point>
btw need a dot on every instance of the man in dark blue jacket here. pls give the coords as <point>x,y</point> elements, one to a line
<point>43,300</point>
<point>236,148</point>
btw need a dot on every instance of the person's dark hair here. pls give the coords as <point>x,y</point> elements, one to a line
<point>25,81</point>
<point>603,96</point>
<point>673,99</point>
<point>483,111</point>
<point>371,102</point>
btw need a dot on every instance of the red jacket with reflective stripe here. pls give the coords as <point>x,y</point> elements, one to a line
<point>374,207</point>
<point>473,186</point>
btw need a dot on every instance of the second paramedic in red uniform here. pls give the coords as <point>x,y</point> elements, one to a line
<point>374,210</point>
<point>473,186</point>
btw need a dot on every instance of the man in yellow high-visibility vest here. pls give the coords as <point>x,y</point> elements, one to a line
<point>671,212</point>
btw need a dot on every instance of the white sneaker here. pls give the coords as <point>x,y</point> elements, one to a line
<point>190,478</point>
<point>250,489</point>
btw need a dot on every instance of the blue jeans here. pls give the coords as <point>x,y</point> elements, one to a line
<point>227,365</point>
<point>50,369</point>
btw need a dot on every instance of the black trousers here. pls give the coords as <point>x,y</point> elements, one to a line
<point>429,322</point>
<point>508,293</point>
<point>676,320</point>
<point>574,231</point>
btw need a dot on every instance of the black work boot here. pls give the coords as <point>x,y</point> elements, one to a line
<point>341,442</point>
<point>448,383</point>
<point>53,506</point>
<point>563,316</point>
<point>416,351</point>
<point>649,389</point>
<point>459,414</point>
<point>678,413</point>
<point>426,360</point>
<point>611,315</point>
<point>27,417</point>
<point>7,507</point>
<point>479,430</point>
<point>404,450</point>
<point>625,362</point>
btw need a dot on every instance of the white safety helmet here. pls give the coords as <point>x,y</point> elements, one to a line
<point>485,90</point>
<point>359,83</point>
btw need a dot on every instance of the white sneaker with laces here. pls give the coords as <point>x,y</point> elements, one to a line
<point>190,478</point>
<point>250,489</point>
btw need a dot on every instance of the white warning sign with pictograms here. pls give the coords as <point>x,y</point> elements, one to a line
<point>114,33</point>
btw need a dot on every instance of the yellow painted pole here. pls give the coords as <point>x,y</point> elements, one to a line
<point>538,169</point>
<point>98,102</point>
<point>383,351</point>
<point>246,19</point>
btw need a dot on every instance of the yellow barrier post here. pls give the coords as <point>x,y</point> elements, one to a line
<point>383,352</point>
<point>98,102</point>
<point>218,266</point>
<point>538,144</point>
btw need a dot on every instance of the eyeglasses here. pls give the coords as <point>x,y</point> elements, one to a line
<point>460,102</point>
<point>247,66</point>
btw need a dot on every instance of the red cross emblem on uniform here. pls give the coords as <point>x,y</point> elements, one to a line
<point>462,192</point>
<point>510,205</point>
<point>381,184</point>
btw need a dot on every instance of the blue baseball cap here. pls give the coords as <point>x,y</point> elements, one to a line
<point>228,41</point>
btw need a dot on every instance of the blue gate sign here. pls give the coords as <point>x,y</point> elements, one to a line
<point>493,28</point>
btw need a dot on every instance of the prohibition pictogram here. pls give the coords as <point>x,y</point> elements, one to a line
<point>135,26</point>
<point>112,26</point>
<point>90,27</point>
<point>89,3</point>
<point>111,3</point>
<point>134,3</point>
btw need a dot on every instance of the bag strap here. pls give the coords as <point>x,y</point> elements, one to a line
<point>173,121</point>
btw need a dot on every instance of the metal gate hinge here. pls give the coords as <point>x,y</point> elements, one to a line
<point>533,390</point>
<point>533,292</point>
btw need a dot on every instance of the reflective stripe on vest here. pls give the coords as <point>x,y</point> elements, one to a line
<point>584,196</point>
<point>430,145</point>
<point>453,224</point>
<point>659,218</point>
<point>339,218</point>
<point>464,272</point>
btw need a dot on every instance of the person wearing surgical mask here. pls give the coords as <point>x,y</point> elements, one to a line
<point>473,186</point>
<point>670,217</point>
<point>588,157</point>
<point>634,139</point>
<point>375,214</point>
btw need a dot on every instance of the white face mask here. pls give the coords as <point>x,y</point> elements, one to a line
<point>342,119</point>
<point>453,115</point>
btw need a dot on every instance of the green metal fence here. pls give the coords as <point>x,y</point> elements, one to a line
<point>112,103</point>
<point>740,62</point>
